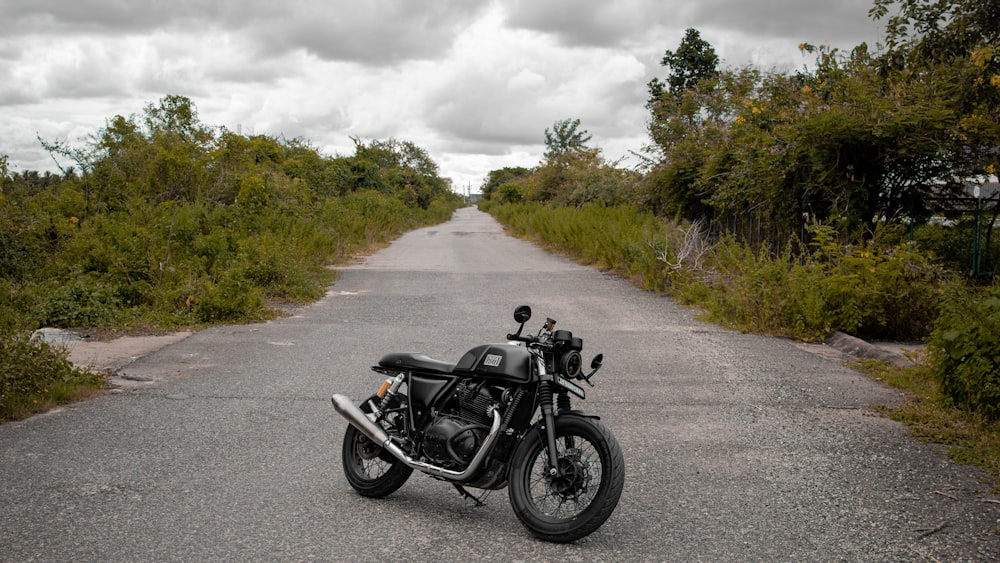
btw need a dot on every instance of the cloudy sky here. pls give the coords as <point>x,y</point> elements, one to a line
<point>475,83</point>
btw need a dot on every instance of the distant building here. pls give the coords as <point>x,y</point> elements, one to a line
<point>947,208</point>
<point>989,190</point>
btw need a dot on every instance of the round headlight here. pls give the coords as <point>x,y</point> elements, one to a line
<point>571,364</point>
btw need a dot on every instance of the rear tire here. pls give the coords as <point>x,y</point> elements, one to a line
<point>371,471</point>
<point>583,495</point>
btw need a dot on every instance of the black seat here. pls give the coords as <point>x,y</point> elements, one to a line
<point>405,361</point>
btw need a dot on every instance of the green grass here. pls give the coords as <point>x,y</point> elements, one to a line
<point>877,290</point>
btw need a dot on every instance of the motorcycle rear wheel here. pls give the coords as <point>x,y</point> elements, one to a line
<point>585,492</point>
<point>370,470</point>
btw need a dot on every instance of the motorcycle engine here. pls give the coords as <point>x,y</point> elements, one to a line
<point>451,440</point>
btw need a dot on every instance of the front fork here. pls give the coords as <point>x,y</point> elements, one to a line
<point>545,402</point>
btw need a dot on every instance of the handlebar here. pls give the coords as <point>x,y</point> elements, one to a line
<point>542,340</point>
<point>531,341</point>
<point>519,338</point>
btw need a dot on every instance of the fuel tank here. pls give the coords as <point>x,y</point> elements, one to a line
<point>505,362</point>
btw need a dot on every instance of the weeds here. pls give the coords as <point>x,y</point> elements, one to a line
<point>966,353</point>
<point>35,376</point>
<point>879,291</point>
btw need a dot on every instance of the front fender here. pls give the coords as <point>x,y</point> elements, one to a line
<point>537,430</point>
<point>580,414</point>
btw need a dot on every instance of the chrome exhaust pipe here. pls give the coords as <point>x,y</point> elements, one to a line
<point>358,419</point>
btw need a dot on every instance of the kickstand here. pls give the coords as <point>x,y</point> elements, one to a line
<point>466,494</point>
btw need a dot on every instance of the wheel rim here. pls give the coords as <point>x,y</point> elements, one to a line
<point>367,459</point>
<point>576,483</point>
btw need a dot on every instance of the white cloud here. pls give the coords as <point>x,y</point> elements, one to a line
<point>474,83</point>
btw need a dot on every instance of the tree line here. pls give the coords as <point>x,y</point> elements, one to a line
<point>836,197</point>
<point>160,219</point>
<point>894,134</point>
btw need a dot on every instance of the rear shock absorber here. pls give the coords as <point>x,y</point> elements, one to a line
<point>385,393</point>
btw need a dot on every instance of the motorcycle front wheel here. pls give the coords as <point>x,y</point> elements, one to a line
<point>585,488</point>
<point>370,470</point>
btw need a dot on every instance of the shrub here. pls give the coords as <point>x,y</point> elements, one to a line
<point>20,253</point>
<point>79,304</point>
<point>509,193</point>
<point>878,290</point>
<point>875,290</point>
<point>35,375</point>
<point>965,351</point>
<point>232,299</point>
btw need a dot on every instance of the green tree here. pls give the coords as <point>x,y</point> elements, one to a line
<point>176,116</point>
<point>397,167</point>
<point>126,154</point>
<point>84,158</point>
<point>181,144</point>
<point>686,114</point>
<point>687,131</point>
<point>695,60</point>
<point>325,176</point>
<point>565,138</point>
<point>936,30</point>
<point>497,178</point>
<point>842,143</point>
<point>953,45</point>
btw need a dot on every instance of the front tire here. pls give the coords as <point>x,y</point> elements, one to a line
<point>371,471</point>
<point>584,493</point>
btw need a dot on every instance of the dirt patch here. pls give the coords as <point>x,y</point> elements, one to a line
<point>108,355</point>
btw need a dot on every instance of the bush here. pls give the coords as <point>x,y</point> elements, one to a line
<point>874,291</point>
<point>172,225</point>
<point>965,351</point>
<point>34,376</point>
<point>20,254</point>
<point>232,299</point>
<point>78,305</point>
<point>877,291</point>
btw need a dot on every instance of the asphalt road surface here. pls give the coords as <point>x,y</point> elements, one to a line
<point>224,446</point>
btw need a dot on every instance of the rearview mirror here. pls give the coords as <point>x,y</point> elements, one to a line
<point>522,314</point>
<point>597,363</point>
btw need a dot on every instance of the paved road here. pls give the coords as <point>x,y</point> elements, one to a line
<point>738,447</point>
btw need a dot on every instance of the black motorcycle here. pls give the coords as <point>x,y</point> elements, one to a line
<point>473,424</point>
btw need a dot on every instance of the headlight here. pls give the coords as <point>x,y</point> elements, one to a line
<point>571,363</point>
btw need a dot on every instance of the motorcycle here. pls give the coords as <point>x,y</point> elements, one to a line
<point>472,423</point>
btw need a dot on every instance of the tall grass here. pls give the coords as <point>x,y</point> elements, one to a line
<point>878,290</point>
<point>187,263</point>
<point>618,239</point>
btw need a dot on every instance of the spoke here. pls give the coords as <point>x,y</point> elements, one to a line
<point>375,468</point>
<point>569,495</point>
